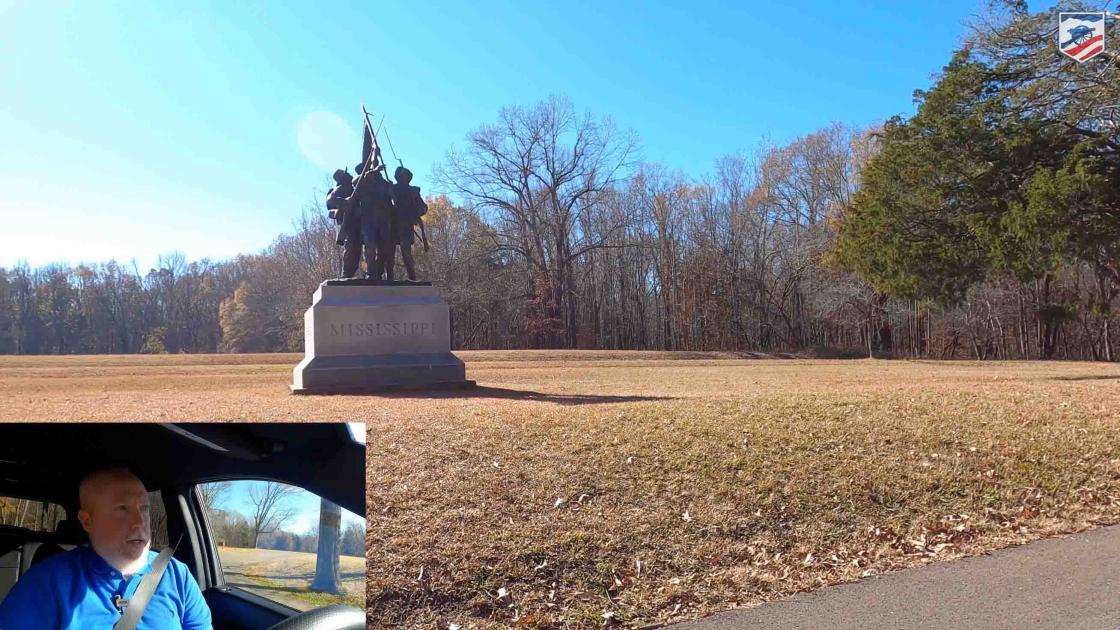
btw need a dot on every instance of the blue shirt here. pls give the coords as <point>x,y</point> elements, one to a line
<point>74,591</point>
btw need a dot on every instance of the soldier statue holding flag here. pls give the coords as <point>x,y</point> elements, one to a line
<point>370,216</point>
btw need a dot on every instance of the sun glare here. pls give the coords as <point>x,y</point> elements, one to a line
<point>326,140</point>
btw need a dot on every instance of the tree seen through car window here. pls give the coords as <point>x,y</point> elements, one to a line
<point>269,535</point>
<point>32,515</point>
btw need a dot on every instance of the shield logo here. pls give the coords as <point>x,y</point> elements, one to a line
<point>1081,35</point>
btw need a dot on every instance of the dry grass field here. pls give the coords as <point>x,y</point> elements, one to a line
<point>582,489</point>
<point>285,576</point>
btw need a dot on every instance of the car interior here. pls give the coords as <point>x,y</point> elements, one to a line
<point>44,462</point>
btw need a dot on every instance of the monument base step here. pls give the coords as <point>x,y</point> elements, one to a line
<point>379,373</point>
<point>385,389</point>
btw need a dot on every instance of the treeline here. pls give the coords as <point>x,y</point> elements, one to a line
<point>352,542</point>
<point>986,226</point>
<point>233,529</point>
<point>108,308</point>
<point>28,514</point>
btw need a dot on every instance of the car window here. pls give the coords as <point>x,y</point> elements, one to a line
<point>33,515</point>
<point>158,514</point>
<point>268,536</point>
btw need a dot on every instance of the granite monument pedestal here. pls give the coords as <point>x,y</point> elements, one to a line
<point>371,335</point>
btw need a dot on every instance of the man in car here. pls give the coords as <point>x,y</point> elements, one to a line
<point>88,588</point>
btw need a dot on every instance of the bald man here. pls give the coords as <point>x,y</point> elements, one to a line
<point>88,587</point>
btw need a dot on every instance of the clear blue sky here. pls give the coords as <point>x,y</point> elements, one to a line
<point>131,129</point>
<point>306,505</point>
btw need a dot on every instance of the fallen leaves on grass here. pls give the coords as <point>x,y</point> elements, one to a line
<point>808,473</point>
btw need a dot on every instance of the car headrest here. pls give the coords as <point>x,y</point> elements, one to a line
<point>70,531</point>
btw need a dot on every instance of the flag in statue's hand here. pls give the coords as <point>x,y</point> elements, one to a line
<point>371,153</point>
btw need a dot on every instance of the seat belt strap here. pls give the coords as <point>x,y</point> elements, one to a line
<point>139,600</point>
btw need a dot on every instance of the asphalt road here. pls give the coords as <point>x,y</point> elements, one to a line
<point>1069,583</point>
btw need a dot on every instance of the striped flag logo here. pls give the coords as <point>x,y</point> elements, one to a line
<point>1081,35</point>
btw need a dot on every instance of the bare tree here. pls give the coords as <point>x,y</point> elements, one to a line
<point>663,199</point>
<point>538,172</point>
<point>354,540</point>
<point>269,511</point>
<point>212,494</point>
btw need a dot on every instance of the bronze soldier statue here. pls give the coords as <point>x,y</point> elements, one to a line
<point>410,207</point>
<point>375,214</point>
<point>374,195</point>
<point>345,214</point>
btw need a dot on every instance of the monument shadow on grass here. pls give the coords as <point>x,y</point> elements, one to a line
<point>1087,377</point>
<point>502,393</point>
